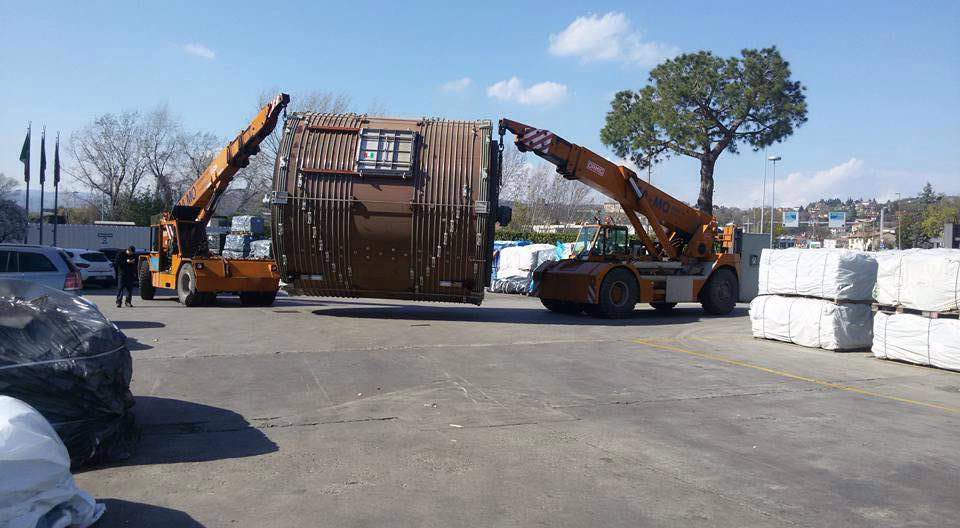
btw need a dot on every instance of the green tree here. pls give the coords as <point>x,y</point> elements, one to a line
<point>928,195</point>
<point>13,220</point>
<point>138,208</point>
<point>700,105</point>
<point>934,217</point>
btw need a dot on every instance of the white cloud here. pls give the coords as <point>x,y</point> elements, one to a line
<point>802,187</point>
<point>608,38</point>
<point>456,85</point>
<point>514,90</point>
<point>199,50</point>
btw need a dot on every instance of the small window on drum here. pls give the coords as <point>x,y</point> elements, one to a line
<point>386,152</point>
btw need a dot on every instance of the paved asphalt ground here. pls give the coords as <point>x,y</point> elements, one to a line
<point>335,412</point>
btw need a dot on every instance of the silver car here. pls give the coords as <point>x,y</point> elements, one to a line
<point>46,265</point>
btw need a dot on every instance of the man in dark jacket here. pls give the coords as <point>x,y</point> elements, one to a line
<point>126,269</point>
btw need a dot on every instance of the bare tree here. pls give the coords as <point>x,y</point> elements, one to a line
<point>195,152</point>
<point>256,179</point>
<point>107,156</point>
<point>513,174</point>
<point>7,185</point>
<point>159,144</point>
<point>540,195</point>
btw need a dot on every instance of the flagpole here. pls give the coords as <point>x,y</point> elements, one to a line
<point>56,188</point>
<point>26,177</point>
<point>43,168</point>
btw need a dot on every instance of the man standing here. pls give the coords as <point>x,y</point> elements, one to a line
<point>126,269</point>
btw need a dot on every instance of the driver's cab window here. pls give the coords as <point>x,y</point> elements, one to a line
<point>611,241</point>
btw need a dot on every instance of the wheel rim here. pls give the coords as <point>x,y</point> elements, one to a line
<point>723,291</point>
<point>185,283</point>
<point>618,293</point>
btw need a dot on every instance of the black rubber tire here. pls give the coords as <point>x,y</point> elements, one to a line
<point>145,279</point>
<point>664,307</point>
<point>593,310</point>
<point>208,299</point>
<point>257,298</point>
<point>618,294</point>
<point>187,287</point>
<point>267,298</point>
<point>564,307</point>
<point>719,294</point>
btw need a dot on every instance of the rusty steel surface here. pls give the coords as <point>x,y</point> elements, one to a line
<point>413,221</point>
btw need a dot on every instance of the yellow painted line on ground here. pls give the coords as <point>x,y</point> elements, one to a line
<point>722,359</point>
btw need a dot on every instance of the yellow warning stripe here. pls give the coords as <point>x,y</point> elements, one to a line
<point>714,357</point>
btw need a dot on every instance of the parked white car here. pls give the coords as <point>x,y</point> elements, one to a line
<point>94,266</point>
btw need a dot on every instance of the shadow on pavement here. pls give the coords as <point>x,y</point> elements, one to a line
<point>126,513</point>
<point>181,431</point>
<point>135,345</point>
<point>131,325</point>
<point>681,315</point>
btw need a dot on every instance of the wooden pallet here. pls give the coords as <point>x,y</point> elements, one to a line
<point>876,307</point>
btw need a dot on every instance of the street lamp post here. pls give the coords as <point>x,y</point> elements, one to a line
<point>899,217</point>
<point>763,194</point>
<point>773,192</point>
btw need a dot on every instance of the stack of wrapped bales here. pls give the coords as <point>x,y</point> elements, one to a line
<point>918,305</point>
<point>246,239</point>
<point>815,297</point>
<point>516,265</point>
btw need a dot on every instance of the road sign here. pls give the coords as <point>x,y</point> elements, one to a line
<point>837,219</point>
<point>791,219</point>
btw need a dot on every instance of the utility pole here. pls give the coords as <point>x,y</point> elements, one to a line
<point>882,209</point>
<point>773,193</point>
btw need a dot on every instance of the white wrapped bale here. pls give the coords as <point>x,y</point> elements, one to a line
<point>920,279</point>
<point>816,323</point>
<point>237,245</point>
<point>835,274</point>
<point>261,249</point>
<point>917,339</point>
<point>521,261</point>
<point>37,488</point>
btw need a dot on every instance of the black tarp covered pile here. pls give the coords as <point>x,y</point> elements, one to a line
<point>59,354</point>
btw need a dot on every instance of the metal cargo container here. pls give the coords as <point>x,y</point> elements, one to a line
<point>92,236</point>
<point>382,207</point>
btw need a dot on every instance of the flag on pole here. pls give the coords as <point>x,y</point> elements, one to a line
<point>43,157</point>
<point>56,162</point>
<point>56,187</point>
<point>25,156</point>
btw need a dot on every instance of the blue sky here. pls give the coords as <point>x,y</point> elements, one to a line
<point>883,78</point>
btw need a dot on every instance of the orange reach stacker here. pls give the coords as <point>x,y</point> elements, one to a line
<point>179,257</point>
<point>683,262</point>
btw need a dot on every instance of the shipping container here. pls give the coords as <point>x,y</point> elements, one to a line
<point>386,208</point>
<point>92,236</point>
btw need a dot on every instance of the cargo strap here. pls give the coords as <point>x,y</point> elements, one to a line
<point>49,361</point>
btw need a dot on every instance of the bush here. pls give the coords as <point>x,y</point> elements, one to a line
<point>537,238</point>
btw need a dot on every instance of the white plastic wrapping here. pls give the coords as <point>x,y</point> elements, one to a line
<point>917,339</point>
<point>835,274</point>
<point>810,322</point>
<point>921,279</point>
<point>36,487</point>
<point>520,261</point>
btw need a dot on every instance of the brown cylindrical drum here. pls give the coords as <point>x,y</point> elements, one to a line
<point>382,207</point>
